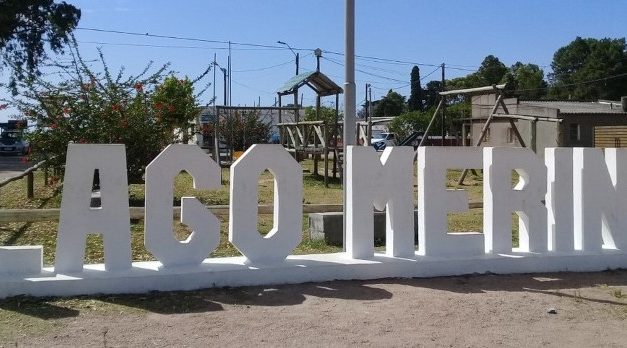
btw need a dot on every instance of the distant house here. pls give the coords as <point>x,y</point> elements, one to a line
<point>543,124</point>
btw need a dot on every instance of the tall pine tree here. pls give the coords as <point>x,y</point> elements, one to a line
<point>415,98</point>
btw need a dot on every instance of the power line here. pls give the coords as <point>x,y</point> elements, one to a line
<point>175,37</point>
<point>611,77</point>
<point>365,72</point>
<point>429,74</point>
<point>167,46</point>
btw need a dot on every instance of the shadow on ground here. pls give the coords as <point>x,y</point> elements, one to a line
<point>37,307</point>
<point>210,300</point>
<point>548,283</point>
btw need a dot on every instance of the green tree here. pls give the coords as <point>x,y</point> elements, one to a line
<point>409,122</point>
<point>415,97</point>
<point>393,104</point>
<point>527,81</point>
<point>326,114</point>
<point>243,129</point>
<point>432,97</point>
<point>99,108</point>
<point>176,106</point>
<point>491,71</point>
<point>25,25</point>
<point>581,70</point>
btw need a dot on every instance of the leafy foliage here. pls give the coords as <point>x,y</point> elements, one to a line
<point>415,98</point>
<point>409,122</point>
<point>491,71</point>
<point>24,27</point>
<point>176,106</point>
<point>393,104</point>
<point>326,114</point>
<point>584,60</point>
<point>243,129</point>
<point>100,108</point>
<point>527,81</point>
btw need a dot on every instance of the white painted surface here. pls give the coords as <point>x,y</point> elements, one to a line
<point>559,199</point>
<point>77,219</point>
<point>233,271</point>
<point>385,183</point>
<point>599,195</point>
<point>286,232</point>
<point>21,260</point>
<point>159,236</point>
<point>435,201</point>
<point>600,198</point>
<point>500,200</point>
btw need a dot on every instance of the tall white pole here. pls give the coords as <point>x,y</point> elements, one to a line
<point>350,98</point>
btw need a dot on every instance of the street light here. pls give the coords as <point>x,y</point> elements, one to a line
<point>296,89</point>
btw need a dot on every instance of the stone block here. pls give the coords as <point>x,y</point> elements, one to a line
<point>329,227</point>
<point>21,260</point>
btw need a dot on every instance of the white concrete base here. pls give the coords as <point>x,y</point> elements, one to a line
<point>24,260</point>
<point>232,271</point>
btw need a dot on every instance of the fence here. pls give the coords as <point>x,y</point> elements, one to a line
<point>30,179</point>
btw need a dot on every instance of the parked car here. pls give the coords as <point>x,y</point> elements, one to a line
<point>11,142</point>
<point>12,138</point>
<point>380,140</point>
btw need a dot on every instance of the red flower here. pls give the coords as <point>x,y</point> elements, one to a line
<point>139,87</point>
<point>115,107</point>
<point>82,141</point>
<point>54,126</point>
<point>67,111</point>
<point>159,105</point>
<point>170,108</point>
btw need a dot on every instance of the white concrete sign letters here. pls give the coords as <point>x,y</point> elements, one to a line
<point>571,209</point>
<point>383,183</point>
<point>158,235</point>
<point>78,218</point>
<point>435,201</point>
<point>286,231</point>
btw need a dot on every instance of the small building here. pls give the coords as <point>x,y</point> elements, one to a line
<point>543,124</point>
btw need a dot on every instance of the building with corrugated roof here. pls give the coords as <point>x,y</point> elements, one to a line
<point>543,124</point>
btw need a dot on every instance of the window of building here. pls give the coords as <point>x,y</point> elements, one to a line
<point>510,135</point>
<point>616,142</point>
<point>575,132</point>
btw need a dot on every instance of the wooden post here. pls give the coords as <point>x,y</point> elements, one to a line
<point>30,189</point>
<point>435,114</point>
<point>46,176</point>
<point>533,140</point>
<point>517,133</point>
<point>486,126</point>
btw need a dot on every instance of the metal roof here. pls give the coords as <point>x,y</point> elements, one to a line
<point>316,80</point>
<point>568,107</point>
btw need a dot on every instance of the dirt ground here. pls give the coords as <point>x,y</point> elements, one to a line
<point>472,311</point>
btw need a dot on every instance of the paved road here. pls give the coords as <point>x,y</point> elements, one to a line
<point>12,165</point>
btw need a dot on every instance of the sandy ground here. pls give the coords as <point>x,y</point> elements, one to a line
<point>473,311</point>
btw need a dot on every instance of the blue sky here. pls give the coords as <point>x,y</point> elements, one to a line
<point>458,33</point>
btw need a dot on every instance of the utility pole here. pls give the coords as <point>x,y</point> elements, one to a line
<point>443,107</point>
<point>349,98</point>
<point>318,54</point>
<point>368,117</point>
<point>216,142</point>
<point>296,116</point>
<point>229,66</point>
